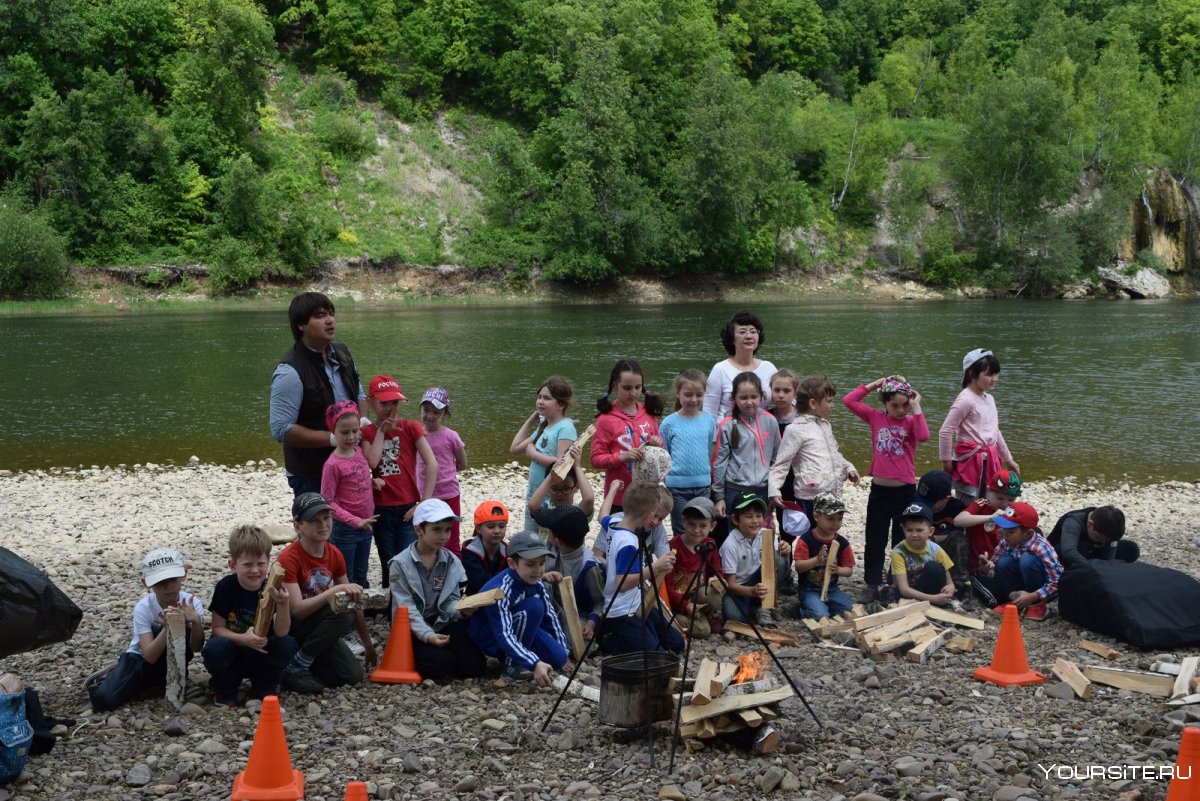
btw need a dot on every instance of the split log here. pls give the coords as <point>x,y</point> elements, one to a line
<point>767,741</point>
<point>1068,671</point>
<point>266,605</point>
<point>768,567</point>
<point>750,717</point>
<point>702,689</point>
<point>566,596</point>
<point>888,615</point>
<point>568,463</point>
<point>954,618</point>
<point>770,635</point>
<point>176,657</point>
<point>769,713</point>
<point>893,629</point>
<point>733,703</point>
<point>1149,683</point>
<point>1187,700</point>
<point>1187,669</point>
<point>1170,668</point>
<point>343,601</point>
<point>725,673</point>
<point>830,566</point>
<point>858,610</point>
<point>482,599</point>
<point>921,652</point>
<point>576,688</point>
<point>1099,648</point>
<point>960,644</point>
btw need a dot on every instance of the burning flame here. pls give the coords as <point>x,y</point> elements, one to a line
<point>751,666</point>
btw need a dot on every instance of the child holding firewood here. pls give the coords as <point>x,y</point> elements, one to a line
<point>811,552</point>
<point>741,561</point>
<point>235,651</point>
<point>693,590</point>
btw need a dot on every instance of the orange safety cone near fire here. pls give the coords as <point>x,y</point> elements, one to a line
<point>1185,786</point>
<point>1010,665</point>
<point>268,775</point>
<point>356,791</point>
<point>397,665</point>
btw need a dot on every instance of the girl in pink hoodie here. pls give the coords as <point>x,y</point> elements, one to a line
<point>626,419</point>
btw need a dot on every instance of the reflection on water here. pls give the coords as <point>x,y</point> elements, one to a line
<point>1087,388</point>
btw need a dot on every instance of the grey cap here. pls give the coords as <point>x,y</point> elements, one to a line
<point>527,545</point>
<point>702,505</point>
<point>308,505</point>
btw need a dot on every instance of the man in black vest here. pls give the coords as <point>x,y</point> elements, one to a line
<point>312,375</point>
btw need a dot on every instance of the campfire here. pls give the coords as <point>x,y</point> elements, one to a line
<point>736,700</point>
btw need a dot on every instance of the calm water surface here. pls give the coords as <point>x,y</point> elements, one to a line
<point>1101,389</point>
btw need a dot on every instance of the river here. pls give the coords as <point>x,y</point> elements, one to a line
<point>1109,390</point>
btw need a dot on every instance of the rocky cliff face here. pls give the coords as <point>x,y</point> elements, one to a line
<point>1166,220</point>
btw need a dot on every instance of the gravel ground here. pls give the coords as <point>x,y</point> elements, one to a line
<point>890,730</point>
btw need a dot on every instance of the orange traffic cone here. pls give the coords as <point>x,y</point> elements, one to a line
<point>1186,784</point>
<point>397,665</point>
<point>356,791</point>
<point>1009,664</point>
<point>268,775</point>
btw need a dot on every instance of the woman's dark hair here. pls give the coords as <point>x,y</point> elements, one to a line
<point>734,412</point>
<point>988,365</point>
<point>562,391</point>
<point>742,317</point>
<point>652,402</point>
<point>814,388</point>
<point>303,307</point>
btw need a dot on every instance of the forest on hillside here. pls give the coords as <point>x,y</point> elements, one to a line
<point>1005,138</point>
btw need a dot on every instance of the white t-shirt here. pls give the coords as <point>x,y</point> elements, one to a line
<point>146,612</point>
<point>740,557</point>
<point>718,394</point>
<point>618,567</point>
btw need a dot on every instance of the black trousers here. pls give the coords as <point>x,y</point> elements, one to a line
<point>884,506</point>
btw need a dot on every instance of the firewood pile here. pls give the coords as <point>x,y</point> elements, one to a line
<point>733,701</point>
<point>911,630</point>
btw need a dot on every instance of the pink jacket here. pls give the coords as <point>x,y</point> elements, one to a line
<point>617,432</point>
<point>895,441</point>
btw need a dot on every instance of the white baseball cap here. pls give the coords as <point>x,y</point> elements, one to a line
<point>161,564</point>
<point>433,510</point>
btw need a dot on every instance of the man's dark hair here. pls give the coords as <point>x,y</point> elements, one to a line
<point>303,307</point>
<point>1109,522</point>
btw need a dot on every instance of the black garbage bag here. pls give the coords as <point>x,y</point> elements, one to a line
<point>1145,605</point>
<point>33,611</point>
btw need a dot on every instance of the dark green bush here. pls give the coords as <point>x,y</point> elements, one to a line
<point>33,256</point>
<point>233,265</point>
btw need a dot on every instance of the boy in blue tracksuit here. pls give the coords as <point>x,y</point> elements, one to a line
<point>522,626</point>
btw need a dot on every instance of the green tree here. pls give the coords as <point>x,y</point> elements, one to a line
<point>858,147</point>
<point>33,256</point>
<point>219,78</point>
<point>1179,130</point>
<point>138,36</point>
<point>784,35</point>
<point>1178,36</point>
<point>245,209</point>
<point>1120,106</point>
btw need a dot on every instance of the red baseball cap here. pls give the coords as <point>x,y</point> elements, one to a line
<point>1019,514</point>
<point>385,388</point>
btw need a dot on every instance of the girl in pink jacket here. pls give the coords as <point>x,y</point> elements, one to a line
<point>895,432</point>
<point>626,419</point>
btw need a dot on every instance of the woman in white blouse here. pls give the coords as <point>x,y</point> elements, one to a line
<point>742,337</point>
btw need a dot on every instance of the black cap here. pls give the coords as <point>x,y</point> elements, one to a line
<point>563,521</point>
<point>915,510</point>
<point>308,505</point>
<point>933,486</point>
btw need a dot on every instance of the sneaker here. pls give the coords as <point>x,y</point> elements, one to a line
<point>763,617</point>
<point>716,625</point>
<point>300,681</point>
<point>354,643</point>
<point>1037,612</point>
<point>193,691</point>
<point>884,595</point>
<point>868,595</point>
<point>259,693</point>
<point>515,673</point>
<point>955,605</point>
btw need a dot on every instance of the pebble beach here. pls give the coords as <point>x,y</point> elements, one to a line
<point>889,731</point>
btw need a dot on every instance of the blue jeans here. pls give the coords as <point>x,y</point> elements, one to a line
<point>228,663</point>
<point>355,545</point>
<point>812,606</point>
<point>682,495</point>
<point>392,535</point>
<point>303,484</point>
<point>1026,574</point>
